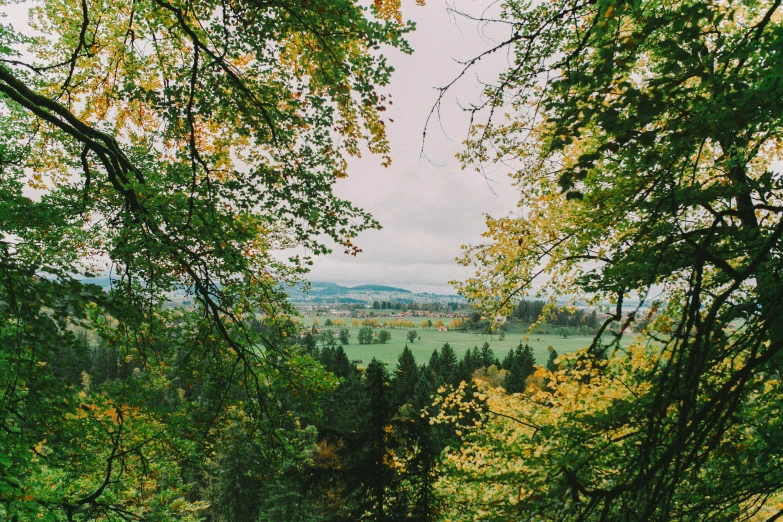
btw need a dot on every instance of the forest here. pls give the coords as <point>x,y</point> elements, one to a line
<point>184,144</point>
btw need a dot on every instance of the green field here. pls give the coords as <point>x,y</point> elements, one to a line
<point>460,341</point>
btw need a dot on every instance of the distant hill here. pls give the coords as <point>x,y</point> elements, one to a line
<point>322,289</point>
<point>381,288</point>
<point>326,292</point>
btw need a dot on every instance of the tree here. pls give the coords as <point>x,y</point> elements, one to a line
<point>522,366</point>
<point>365,335</point>
<point>412,335</point>
<point>438,323</point>
<point>345,336</point>
<point>423,447</point>
<point>448,364</point>
<point>328,322</point>
<point>551,364</point>
<point>326,337</point>
<point>433,365</point>
<point>469,363</point>
<point>643,137</point>
<point>336,361</point>
<point>178,144</point>
<point>488,357</point>
<point>378,474</point>
<point>355,323</point>
<point>384,336</point>
<point>406,376</point>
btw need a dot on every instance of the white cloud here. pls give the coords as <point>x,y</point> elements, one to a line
<point>427,206</point>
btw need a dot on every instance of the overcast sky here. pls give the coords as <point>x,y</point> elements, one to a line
<point>428,206</point>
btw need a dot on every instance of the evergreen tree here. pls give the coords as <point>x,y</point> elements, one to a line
<point>236,492</point>
<point>406,376</point>
<point>326,357</point>
<point>476,355</point>
<point>378,476</point>
<point>434,364</point>
<point>508,360</point>
<point>336,361</point>
<point>522,367</point>
<point>487,356</point>
<point>71,357</point>
<point>448,364</point>
<point>345,415</point>
<point>106,362</point>
<point>551,365</point>
<point>468,365</point>
<point>427,451</point>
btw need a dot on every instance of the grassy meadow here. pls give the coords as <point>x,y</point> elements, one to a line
<point>432,339</point>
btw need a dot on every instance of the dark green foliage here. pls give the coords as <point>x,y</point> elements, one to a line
<point>336,361</point>
<point>326,337</point>
<point>433,364</point>
<point>424,438</point>
<point>551,365</point>
<point>177,145</point>
<point>447,363</point>
<point>654,129</point>
<point>310,343</point>
<point>530,311</point>
<point>378,476</point>
<point>467,366</point>
<point>488,357</point>
<point>521,366</point>
<point>406,377</point>
<point>365,335</point>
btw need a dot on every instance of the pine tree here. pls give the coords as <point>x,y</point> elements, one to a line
<point>406,376</point>
<point>487,356</point>
<point>467,366</point>
<point>378,476</point>
<point>522,367</point>
<point>423,464</point>
<point>341,365</point>
<point>434,364</point>
<point>508,360</point>
<point>448,364</point>
<point>551,365</point>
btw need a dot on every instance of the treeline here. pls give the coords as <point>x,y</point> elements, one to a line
<point>451,306</point>
<point>364,447</point>
<point>365,452</point>
<point>377,450</point>
<point>530,311</point>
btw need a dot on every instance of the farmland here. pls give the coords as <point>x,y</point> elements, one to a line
<point>431,339</point>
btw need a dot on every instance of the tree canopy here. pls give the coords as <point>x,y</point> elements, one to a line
<point>642,137</point>
<point>173,145</point>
